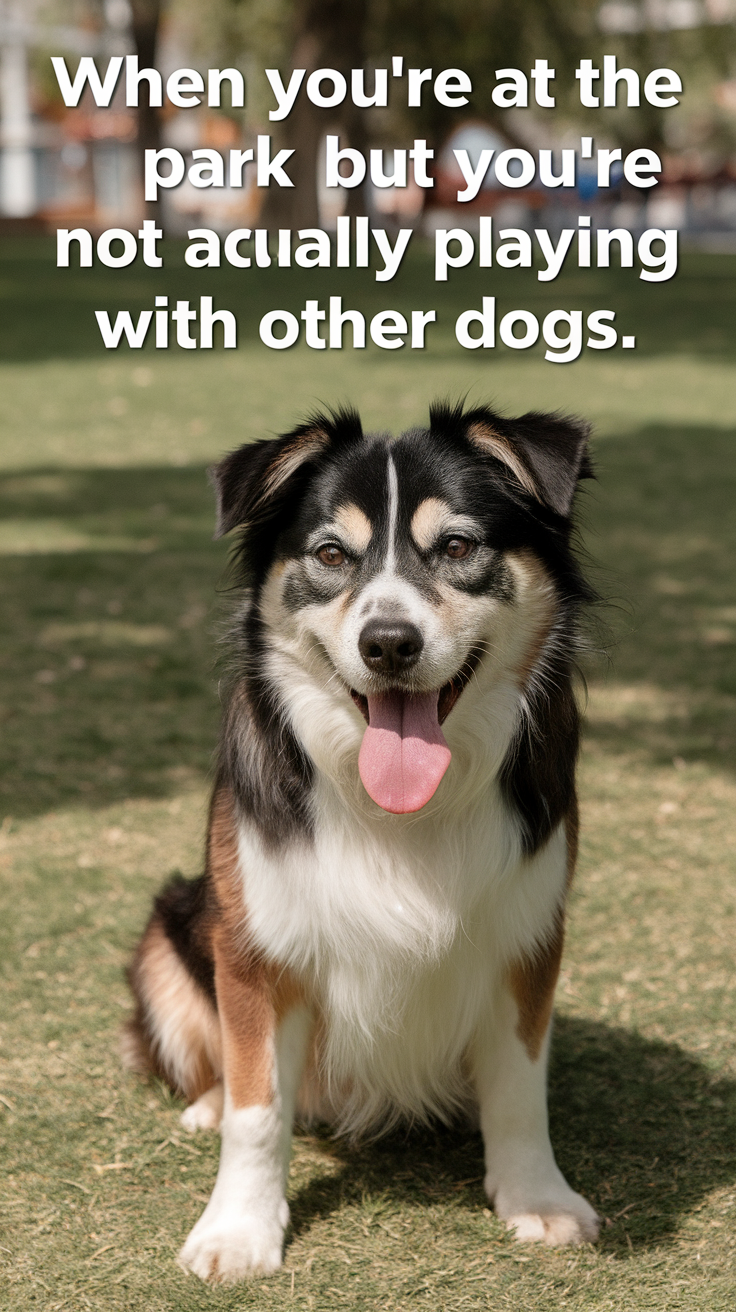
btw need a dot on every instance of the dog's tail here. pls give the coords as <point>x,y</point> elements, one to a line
<point>174,1032</point>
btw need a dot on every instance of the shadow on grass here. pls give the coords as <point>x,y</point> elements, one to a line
<point>661,534</point>
<point>640,1127</point>
<point>109,592</point>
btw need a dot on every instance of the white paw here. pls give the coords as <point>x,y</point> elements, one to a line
<point>206,1112</point>
<point>224,1252</point>
<point>553,1216</point>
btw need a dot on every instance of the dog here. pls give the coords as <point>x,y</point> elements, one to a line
<point>393,828</point>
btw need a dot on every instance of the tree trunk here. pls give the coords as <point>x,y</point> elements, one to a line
<point>146,19</point>
<point>327,34</point>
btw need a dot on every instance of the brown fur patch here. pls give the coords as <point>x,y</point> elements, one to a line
<point>533,979</point>
<point>252,995</point>
<point>248,1023</point>
<point>222,853</point>
<point>538,579</point>
<point>174,1033</point>
<point>427,520</point>
<point>486,439</point>
<point>355,525</point>
<point>532,982</point>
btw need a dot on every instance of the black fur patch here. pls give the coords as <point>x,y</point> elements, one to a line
<point>184,908</point>
<point>260,759</point>
<point>538,775</point>
<point>553,448</point>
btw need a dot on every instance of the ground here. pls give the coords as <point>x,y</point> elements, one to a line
<point>113,597</point>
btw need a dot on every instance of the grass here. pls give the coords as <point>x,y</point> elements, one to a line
<point>109,587</point>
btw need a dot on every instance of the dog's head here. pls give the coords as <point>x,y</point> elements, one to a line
<point>393,571</point>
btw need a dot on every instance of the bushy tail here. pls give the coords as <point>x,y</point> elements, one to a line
<point>174,1032</point>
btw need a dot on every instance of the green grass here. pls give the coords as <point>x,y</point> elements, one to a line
<point>108,711</point>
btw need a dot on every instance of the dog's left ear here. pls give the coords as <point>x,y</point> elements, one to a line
<point>555,448</point>
<point>253,482</point>
<point>547,454</point>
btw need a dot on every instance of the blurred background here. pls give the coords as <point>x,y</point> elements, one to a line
<point>81,166</point>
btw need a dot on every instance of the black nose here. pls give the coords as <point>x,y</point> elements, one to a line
<point>390,647</point>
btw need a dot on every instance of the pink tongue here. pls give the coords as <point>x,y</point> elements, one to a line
<point>403,755</point>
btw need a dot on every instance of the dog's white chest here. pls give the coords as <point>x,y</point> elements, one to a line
<point>403,931</point>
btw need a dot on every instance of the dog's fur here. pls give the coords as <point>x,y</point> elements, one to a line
<point>334,960</point>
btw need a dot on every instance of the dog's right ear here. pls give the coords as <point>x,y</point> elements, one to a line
<point>253,481</point>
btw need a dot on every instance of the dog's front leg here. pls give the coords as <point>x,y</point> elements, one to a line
<point>522,1178</point>
<point>241,1231</point>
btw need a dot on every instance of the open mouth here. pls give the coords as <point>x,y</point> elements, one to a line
<point>404,754</point>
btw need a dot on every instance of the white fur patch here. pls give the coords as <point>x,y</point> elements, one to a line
<point>393,515</point>
<point>522,1178</point>
<point>241,1231</point>
<point>403,930</point>
<point>206,1112</point>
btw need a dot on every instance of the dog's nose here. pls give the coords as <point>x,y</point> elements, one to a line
<point>390,647</point>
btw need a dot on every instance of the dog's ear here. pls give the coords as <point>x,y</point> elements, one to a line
<point>547,454</point>
<point>555,448</point>
<point>248,481</point>
<point>252,482</point>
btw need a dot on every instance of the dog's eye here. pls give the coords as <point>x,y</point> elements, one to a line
<point>331,554</point>
<point>459,548</point>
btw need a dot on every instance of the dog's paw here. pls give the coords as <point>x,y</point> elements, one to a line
<point>554,1218</point>
<point>206,1112</point>
<point>538,1205</point>
<point>226,1252</point>
<point>555,1228</point>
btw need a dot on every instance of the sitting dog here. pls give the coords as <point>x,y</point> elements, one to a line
<point>392,833</point>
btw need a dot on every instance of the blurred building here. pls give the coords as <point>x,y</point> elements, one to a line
<point>80,166</point>
<point>698,190</point>
<point>698,200</point>
<point>627,17</point>
<point>62,164</point>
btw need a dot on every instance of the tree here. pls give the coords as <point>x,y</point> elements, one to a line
<point>327,34</point>
<point>146,20</point>
<point>480,36</point>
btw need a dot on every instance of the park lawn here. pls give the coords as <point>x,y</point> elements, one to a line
<point>113,597</point>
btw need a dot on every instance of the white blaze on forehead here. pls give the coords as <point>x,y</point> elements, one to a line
<point>354,525</point>
<point>393,515</point>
